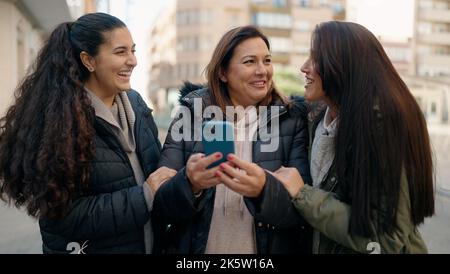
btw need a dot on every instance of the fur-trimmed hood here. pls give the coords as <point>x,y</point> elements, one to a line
<point>189,87</point>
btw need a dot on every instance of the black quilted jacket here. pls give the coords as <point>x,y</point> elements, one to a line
<point>110,216</point>
<point>184,222</point>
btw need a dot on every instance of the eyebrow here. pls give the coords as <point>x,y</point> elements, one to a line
<point>124,47</point>
<point>254,56</point>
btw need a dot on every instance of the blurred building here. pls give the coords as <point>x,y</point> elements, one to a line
<point>400,52</point>
<point>163,52</point>
<point>184,36</point>
<point>432,38</point>
<point>399,48</point>
<point>423,60</point>
<point>24,24</point>
<point>433,96</point>
<point>431,50</point>
<point>123,9</point>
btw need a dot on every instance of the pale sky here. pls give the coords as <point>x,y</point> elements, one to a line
<point>388,18</point>
<point>139,16</point>
<point>144,13</point>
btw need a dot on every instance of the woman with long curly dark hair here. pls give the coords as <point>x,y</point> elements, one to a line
<point>77,145</point>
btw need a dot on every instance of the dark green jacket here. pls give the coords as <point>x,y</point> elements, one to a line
<point>330,217</point>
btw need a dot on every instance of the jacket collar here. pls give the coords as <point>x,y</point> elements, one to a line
<point>187,97</point>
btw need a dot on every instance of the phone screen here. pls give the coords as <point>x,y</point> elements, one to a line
<point>218,136</point>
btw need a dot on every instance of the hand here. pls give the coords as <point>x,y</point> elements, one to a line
<point>198,173</point>
<point>159,176</point>
<point>290,178</point>
<point>249,183</point>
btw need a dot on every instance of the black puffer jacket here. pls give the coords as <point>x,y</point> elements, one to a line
<point>110,217</point>
<point>279,228</point>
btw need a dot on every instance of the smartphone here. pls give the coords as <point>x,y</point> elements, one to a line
<point>218,136</point>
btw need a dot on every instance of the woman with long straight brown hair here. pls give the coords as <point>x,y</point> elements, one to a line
<point>371,161</point>
<point>236,207</point>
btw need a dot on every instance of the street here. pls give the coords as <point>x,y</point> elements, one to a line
<point>20,234</point>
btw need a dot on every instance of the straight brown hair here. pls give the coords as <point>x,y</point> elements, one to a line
<point>221,59</point>
<point>382,133</point>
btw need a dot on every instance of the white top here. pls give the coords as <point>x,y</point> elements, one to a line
<point>232,226</point>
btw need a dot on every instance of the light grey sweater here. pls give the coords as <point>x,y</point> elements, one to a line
<point>322,151</point>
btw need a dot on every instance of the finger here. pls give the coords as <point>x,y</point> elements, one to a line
<point>168,169</point>
<point>247,166</point>
<point>209,173</point>
<point>285,170</point>
<point>231,164</point>
<point>172,172</point>
<point>276,175</point>
<point>270,172</point>
<point>163,181</point>
<point>205,162</point>
<point>211,182</point>
<point>233,172</point>
<point>165,171</point>
<point>282,168</point>
<point>232,184</point>
<point>196,157</point>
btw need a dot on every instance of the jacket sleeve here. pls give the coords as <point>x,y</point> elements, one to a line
<point>174,201</point>
<point>274,204</point>
<point>331,217</point>
<point>102,216</point>
<point>298,156</point>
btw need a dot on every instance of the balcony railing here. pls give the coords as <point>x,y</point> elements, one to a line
<point>434,15</point>
<point>441,38</point>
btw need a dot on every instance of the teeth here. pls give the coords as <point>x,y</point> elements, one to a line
<point>125,73</point>
<point>308,81</point>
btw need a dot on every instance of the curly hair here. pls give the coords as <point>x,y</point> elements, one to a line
<point>47,135</point>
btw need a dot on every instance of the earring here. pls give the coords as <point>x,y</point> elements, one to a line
<point>91,69</point>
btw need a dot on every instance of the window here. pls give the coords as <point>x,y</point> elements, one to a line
<point>433,108</point>
<point>205,43</point>
<point>181,18</point>
<point>272,20</point>
<point>103,6</point>
<point>323,3</point>
<point>190,43</point>
<point>281,44</point>
<point>206,17</point>
<point>279,3</point>
<point>304,3</point>
<point>193,17</point>
<point>425,4</point>
<point>424,28</point>
<point>302,49</point>
<point>234,20</point>
<point>398,54</point>
<point>338,8</point>
<point>303,25</point>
